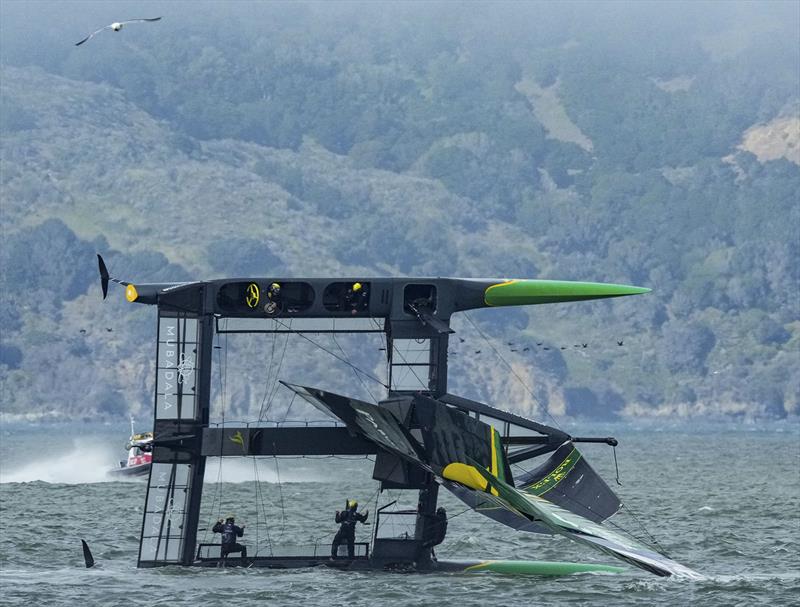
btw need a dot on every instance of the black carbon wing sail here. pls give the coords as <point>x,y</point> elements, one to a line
<point>567,480</point>
<point>374,423</point>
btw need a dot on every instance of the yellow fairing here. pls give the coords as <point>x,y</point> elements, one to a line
<point>131,294</point>
<point>467,476</point>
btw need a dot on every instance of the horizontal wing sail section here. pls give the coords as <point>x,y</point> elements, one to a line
<point>571,525</point>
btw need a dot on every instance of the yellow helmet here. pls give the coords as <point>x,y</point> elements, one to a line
<point>275,286</point>
<point>357,286</point>
<point>352,504</point>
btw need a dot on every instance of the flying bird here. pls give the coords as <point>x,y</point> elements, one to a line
<point>620,342</point>
<point>115,27</point>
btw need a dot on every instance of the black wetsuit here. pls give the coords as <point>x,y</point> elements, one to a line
<point>356,301</point>
<point>439,527</point>
<point>229,533</point>
<point>347,532</point>
<point>436,529</point>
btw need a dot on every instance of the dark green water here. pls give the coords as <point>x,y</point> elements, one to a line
<point>724,500</point>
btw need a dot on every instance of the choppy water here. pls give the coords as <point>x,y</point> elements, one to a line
<point>723,500</point>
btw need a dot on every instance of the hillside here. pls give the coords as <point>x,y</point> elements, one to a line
<point>311,141</point>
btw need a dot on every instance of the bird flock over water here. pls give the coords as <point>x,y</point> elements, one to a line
<point>514,347</point>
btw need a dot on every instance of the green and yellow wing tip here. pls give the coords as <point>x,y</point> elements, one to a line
<point>532,292</point>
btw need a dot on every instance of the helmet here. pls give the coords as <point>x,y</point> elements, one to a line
<point>352,504</point>
<point>229,519</point>
<point>357,286</point>
<point>275,286</point>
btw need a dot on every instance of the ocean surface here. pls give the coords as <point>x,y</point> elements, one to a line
<point>723,499</point>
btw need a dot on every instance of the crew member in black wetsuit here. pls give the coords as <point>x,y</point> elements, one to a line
<point>347,532</point>
<point>274,305</point>
<point>230,532</point>
<point>437,529</point>
<point>356,298</point>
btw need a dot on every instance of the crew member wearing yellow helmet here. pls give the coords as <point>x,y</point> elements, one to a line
<point>347,532</point>
<point>357,298</point>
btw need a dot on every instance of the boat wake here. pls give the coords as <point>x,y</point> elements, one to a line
<point>75,467</point>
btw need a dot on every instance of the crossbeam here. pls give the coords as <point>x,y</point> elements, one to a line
<point>254,441</point>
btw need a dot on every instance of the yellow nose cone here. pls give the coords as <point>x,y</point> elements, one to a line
<point>130,293</point>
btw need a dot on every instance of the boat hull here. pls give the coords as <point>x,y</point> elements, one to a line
<point>137,470</point>
<point>536,568</point>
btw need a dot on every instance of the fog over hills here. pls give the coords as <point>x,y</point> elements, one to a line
<point>654,146</point>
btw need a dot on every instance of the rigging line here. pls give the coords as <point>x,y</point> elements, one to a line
<point>623,506</point>
<point>616,466</point>
<point>384,343</point>
<point>481,503</point>
<point>651,539</point>
<point>407,366</point>
<point>255,487</point>
<point>266,520</point>
<point>275,384</point>
<point>289,408</point>
<point>269,373</point>
<point>269,380</point>
<point>280,493</point>
<point>260,500</point>
<point>336,356</point>
<point>358,377</point>
<point>629,510</point>
<point>510,368</point>
<point>221,363</point>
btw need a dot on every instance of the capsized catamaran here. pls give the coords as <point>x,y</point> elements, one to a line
<point>464,453</point>
<point>422,437</point>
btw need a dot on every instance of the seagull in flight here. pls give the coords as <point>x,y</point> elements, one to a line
<point>116,26</point>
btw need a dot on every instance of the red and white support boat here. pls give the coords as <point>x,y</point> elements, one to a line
<point>140,455</point>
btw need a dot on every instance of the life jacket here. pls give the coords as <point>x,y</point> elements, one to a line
<point>229,533</point>
<point>348,519</point>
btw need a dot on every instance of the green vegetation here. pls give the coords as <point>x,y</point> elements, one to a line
<point>261,138</point>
